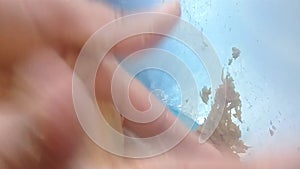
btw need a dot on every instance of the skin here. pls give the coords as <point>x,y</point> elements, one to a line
<point>39,44</point>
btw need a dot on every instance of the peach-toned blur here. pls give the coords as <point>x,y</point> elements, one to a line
<point>39,44</point>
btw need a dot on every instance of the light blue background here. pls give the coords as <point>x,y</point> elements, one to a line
<point>267,73</point>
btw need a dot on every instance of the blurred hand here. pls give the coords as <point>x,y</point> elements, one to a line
<point>39,44</point>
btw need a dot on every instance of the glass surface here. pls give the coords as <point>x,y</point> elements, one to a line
<point>266,74</point>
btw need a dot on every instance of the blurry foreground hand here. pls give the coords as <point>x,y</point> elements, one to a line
<point>39,43</point>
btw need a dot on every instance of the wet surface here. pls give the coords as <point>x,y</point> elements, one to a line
<point>263,37</point>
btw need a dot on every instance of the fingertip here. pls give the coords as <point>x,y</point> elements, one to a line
<point>160,22</point>
<point>172,7</point>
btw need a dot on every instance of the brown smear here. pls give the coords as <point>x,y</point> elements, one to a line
<point>227,136</point>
